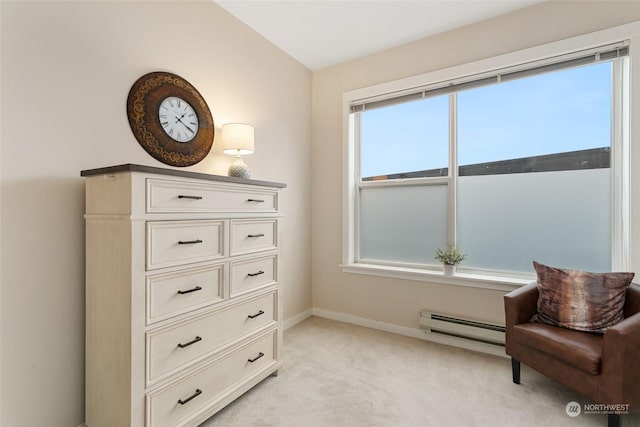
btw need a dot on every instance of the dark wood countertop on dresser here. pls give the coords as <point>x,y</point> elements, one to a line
<point>129,167</point>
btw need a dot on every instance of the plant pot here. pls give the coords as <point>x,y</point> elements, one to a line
<point>449,269</point>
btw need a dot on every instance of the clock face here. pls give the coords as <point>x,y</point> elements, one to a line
<point>178,119</point>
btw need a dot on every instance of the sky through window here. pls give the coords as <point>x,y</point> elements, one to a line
<point>556,112</point>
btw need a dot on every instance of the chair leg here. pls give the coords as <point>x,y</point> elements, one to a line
<point>515,370</point>
<point>614,420</point>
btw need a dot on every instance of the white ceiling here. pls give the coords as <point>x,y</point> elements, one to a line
<point>320,33</point>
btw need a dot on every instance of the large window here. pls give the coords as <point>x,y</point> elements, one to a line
<point>510,166</point>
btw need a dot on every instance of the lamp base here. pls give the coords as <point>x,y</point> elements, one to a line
<point>239,169</point>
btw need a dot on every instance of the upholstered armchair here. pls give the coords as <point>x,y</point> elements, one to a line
<point>603,367</point>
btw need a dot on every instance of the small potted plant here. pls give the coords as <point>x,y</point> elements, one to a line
<point>449,257</point>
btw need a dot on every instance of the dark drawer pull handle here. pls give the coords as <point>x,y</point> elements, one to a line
<point>188,291</point>
<point>255,200</point>
<point>193,396</point>
<point>193,341</point>
<point>253,316</point>
<point>256,358</point>
<point>182,196</point>
<point>255,235</point>
<point>255,274</point>
<point>189,242</point>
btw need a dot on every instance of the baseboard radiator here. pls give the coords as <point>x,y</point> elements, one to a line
<point>462,329</point>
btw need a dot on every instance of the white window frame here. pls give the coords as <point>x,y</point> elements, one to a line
<point>620,157</point>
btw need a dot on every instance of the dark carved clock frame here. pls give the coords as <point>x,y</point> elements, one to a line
<point>143,104</point>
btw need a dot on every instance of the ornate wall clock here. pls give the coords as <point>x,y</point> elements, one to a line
<point>170,119</point>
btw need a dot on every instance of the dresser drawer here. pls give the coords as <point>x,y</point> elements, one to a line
<point>171,243</point>
<point>249,236</point>
<point>251,274</point>
<point>180,403</point>
<point>175,293</point>
<point>173,347</point>
<point>169,196</point>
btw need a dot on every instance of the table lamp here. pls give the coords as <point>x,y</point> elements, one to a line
<point>237,139</point>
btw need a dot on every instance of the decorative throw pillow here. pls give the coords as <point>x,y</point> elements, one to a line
<point>580,300</point>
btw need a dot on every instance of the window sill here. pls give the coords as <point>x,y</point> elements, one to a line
<point>482,281</point>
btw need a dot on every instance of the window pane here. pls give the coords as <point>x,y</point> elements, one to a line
<point>534,177</point>
<point>403,224</point>
<point>558,218</point>
<point>550,113</point>
<point>405,138</point>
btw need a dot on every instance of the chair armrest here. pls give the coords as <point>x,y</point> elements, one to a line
<point>621,372</point>
<point>632,300</point>
<point>520,305</point>
<point>628,327</point>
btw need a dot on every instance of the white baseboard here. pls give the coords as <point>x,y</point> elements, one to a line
<point>300,317</point>
<point>410,332</point>
<point>368,323</point>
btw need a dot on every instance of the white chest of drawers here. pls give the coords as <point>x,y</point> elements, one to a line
<point>183,304</point>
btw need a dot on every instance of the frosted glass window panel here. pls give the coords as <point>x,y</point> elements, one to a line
<point>558,218</point>
<point>403,223</point>
<point>405,138</point>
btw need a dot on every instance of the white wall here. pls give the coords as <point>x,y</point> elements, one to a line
<point>66,71</point>
<point>394,301</point>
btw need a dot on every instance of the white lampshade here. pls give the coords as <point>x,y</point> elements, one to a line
<point>237,138</point>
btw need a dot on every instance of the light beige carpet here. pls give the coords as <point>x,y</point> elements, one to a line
<point>337,374</point>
